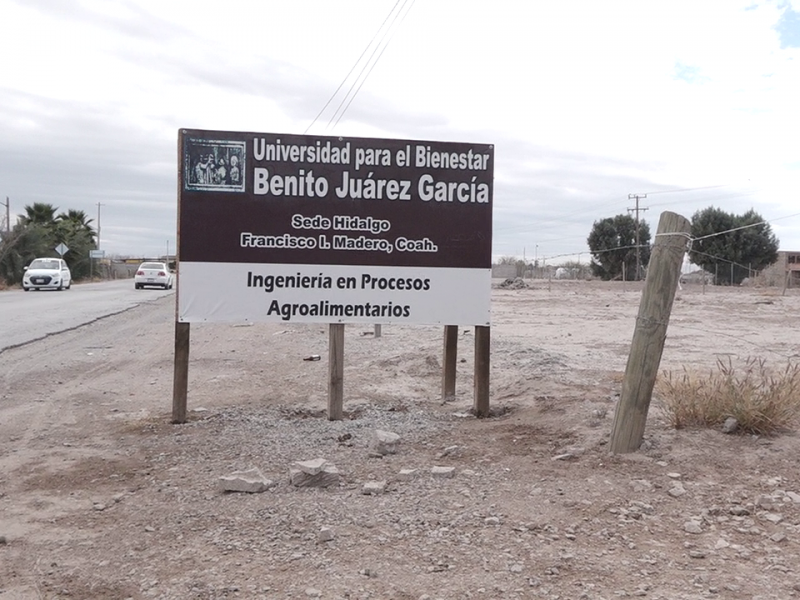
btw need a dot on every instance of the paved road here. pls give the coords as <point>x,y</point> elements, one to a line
<point>25,317</point>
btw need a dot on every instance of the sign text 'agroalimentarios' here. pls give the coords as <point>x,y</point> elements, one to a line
<point>295,228</point>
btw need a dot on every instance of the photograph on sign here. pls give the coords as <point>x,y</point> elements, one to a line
<point>214,165</point>
<point>336,230</point>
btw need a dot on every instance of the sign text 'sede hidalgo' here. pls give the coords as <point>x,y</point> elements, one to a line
<point>333,230</point>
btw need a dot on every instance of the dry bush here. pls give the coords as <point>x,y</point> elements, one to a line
<point>763,401</point>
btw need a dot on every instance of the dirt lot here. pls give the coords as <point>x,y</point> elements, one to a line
<point>101,498</point>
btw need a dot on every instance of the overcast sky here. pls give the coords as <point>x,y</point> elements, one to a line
<point>694,103</point>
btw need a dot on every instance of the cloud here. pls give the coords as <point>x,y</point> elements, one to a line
<point>788,28</point>
<point>688,73</point>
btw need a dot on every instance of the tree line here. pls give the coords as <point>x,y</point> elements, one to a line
<point>727,245</point>
<point>38,232</point>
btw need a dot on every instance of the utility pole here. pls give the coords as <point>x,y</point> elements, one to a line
<point>637,197</point>
<point>98,224</point>
<point>8,215</point>
<point>91,260</point>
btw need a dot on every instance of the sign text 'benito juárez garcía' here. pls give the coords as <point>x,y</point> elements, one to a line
<point>368,187</point>
<point>327,229</point>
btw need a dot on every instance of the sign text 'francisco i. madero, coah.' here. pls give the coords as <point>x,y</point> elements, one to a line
<point>333,229</point>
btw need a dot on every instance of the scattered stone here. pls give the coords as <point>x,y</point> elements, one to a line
<point>385,442</point>
<point>697,554</point>
<point>692,527</point>
<point>517,283</point>
<point>251,481</point>
<point>374,487</point>
<point>516,568</point>
<point>492,520</point>
<point>149,528</point>
<point>793,497</point>
<point>325,535</point>
<point>677,491</point>
<point>773,517</point>
<point>730,425</point>
<point>721,544</point>
<point>313,593</point>
<point>407,474</point>
<point>99,506</point>
<point>566,456</point>
<point>468,473</point>
<point>314,473</point>
<point>642,507</point>
<point>765,502</point>
<point>443,472</point>
<point>674,475</point>
<point>778,537</point>
<point>641,485</point>
<point>739,511</point>
<point>312,467</point>
<point>449,450</point>
<point>374,455</point>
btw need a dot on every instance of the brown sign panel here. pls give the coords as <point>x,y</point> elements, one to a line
<point>293,199</point>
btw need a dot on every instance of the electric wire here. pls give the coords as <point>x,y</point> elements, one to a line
<point>375,62</point>
<point>353,68</point>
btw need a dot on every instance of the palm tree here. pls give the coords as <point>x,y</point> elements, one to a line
<point>40,213</point>
<point>75,223</point>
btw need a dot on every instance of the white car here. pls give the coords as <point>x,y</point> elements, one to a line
<point>156,274</point>
<point>45,273</point>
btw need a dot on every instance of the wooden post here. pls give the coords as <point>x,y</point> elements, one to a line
<point>449,361</point>
<point>180,377</point>
<point>482,362</point>
<point>650,332</point>
<point>336,372</point>
<point>377,331</point>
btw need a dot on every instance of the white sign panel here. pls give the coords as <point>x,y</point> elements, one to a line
<point>333,294</point>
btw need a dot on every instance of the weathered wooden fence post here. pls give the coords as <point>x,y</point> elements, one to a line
<point>336,371</point>
<point>180,376</point>
<point>482,365</point>
<point>449,360</point>
<point>650,333</point>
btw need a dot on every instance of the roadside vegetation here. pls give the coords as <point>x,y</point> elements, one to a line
<point>38,232</point>
<point>763,401</point>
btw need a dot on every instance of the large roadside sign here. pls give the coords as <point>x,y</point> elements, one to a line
<point>293,228</point>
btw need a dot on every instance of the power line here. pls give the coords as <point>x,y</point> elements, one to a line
<point>367,65</point>
<point>706,187</point>
<point>372,66</point>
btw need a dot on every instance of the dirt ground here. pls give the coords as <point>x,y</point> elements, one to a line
<point>102,498</point>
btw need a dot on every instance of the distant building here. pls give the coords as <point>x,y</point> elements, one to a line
<point>785,271</point>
